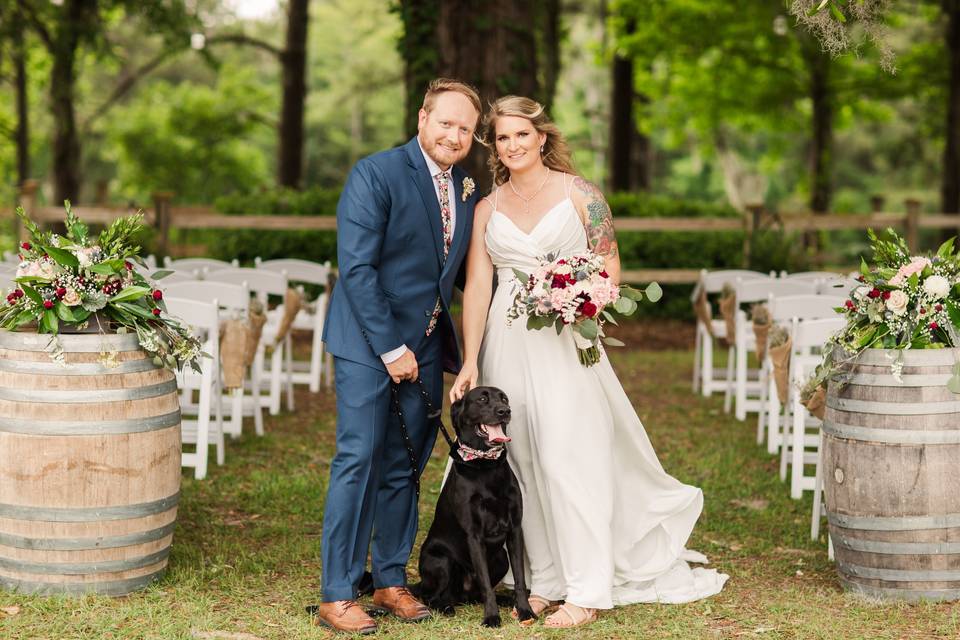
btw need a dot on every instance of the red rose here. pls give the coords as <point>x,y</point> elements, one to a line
<point>874,293</point>
<point>48,304</point>
<point>561,261</point>
<point>157,294</point>
<point>604,274</point>
<point>156,312</point>
<point>589,309</point>
<point>934,326</point>
<point>571,279</point>
<point>886,295</point>
<point>25,245</point>
<point>559,282</point>
<point>18,293</point>
<point>61,292</point>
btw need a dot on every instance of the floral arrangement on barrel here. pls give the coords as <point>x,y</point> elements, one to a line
<point>904,302</point>
<point>576,291</point>
<point>77,282</point>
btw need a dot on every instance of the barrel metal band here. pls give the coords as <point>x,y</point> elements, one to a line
<point>107,588</point>
<point>894,523</point>
<point>88,514</point>
<point>906,380</point>
<point>84,568</point>
<point>892,436</point>
<point>88,396</point>
<point>103,427</point>
<point>909,595</point>
<point>918,358</point>
<point>75,368</point>
<point>78,544</point>
<point>72,343</point>
<point>896,575</point>
<point>893,408</point>
<point>897,548</point>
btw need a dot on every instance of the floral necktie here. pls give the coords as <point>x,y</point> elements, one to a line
<point>446,218</point>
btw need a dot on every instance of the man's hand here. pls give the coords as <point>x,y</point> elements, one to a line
<point>404,368</point>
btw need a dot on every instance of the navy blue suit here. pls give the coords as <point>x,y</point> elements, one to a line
<point>392,268</point>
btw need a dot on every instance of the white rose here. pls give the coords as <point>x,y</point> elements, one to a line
<point>47,270</point>
<point>897,302</point>
<point>936,286</point>
<point>71,298</point>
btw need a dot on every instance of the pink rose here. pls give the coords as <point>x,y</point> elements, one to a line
<point>916,265</point>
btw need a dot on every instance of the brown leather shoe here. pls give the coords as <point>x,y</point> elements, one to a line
<point>401,603</point>
<point>346,616</point>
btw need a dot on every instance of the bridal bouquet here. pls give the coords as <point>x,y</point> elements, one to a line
<point>79,281</point>
<point>575,291</point>
<point>904,302</point>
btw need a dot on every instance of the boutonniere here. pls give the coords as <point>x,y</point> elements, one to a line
<point>468,186</point>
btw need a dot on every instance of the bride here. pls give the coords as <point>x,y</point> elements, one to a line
<point>603,523</point>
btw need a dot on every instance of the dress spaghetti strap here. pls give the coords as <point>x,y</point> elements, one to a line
<point>496,198</point>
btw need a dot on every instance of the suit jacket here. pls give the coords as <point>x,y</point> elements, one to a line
<point>390,258</point>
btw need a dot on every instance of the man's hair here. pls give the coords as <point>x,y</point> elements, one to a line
<point>442,85</point>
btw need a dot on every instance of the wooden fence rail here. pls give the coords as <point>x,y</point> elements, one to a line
<point>163,217</point>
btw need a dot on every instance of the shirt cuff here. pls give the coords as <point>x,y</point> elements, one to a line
<point>393,355</point>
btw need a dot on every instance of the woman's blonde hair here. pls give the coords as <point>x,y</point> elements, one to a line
<point>556,154</point>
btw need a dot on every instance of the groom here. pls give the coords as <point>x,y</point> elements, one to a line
<point>403,227</point>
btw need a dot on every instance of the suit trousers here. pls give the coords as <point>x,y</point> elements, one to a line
<point>371,495</point>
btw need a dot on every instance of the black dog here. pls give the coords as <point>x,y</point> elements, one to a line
<point>479,510</point>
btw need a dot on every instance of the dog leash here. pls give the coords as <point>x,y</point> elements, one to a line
<point>434,415</point>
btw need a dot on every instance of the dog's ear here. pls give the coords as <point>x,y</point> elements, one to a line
<point>456,410</point>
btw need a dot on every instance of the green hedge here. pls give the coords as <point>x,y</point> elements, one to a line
<point>650,250</point>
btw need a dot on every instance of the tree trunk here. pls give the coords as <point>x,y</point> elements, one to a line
<point>821,143</point>
<point>621,121</point>
<point>421,57</point>
<point>550,47</point>
<point>489,45</point>
<point>22,134</point>
<point>950,190</point>
<point>290,151</point>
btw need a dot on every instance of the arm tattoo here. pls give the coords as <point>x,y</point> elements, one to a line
<point>599,226</point>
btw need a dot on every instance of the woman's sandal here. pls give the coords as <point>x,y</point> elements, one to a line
<point>570,615</point>
<point>538,604</point>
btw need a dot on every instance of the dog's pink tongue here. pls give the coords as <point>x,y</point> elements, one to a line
<point>495,434</point>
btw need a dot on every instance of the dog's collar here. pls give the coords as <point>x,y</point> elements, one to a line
<point>468,454</point>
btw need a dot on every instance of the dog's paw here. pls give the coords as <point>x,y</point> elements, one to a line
<point>491,621</point>
<point>525,615</point>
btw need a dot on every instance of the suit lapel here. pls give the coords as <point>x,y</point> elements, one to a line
<point>431,206</point>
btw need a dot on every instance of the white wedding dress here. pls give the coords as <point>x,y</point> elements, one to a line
<point>603,523</point>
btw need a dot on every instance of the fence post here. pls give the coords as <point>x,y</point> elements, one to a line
<point>912,224</point>
<point>876,203</point>
<point>27,200</point>
<point>751,222</point>
<point>161,220</point>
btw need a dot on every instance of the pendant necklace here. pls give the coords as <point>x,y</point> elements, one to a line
<point>526,201</point>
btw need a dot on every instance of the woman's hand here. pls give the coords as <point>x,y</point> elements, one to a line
<point>465,381</point>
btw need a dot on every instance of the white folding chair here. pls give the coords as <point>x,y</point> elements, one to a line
<point>233,301</point>
<point>812,276</point>
<point>262,284</point>
<point>198,264</point>
<point>783,310</point>
<point>308,319</point>
<point>748,291</point>
<point>705,378</point>
<point>838,286</point>
<point>800,447</point>
<point>207,427</point>
<point>172,278</point>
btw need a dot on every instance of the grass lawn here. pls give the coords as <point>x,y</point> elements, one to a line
<point>245,559</point>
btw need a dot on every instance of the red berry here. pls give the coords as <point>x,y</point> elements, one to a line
<point>939,307</point>
<point>25,245</point>
<point>934,326</point>
<point>48,304</point>
<point>18,293</point>
<point>157,294</point>
<point>128,265</point>
<point>922,311</point>
<point>156,312</point>
<point>850,304</point>
<point>604,274</point>
<point>61,292</point>
<point>886,295</point>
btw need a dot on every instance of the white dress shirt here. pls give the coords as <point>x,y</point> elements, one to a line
<point>434,169</point>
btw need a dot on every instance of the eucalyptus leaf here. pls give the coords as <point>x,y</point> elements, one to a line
<point>613,342</point>
<point>588,328</point>
<point>654,292</point>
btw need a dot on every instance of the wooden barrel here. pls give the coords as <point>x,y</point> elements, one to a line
<point>89,465</point>
<point>890,458</point>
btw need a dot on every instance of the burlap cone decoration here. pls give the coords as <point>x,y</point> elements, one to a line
<point>760,331</point>
<point>780,357</point>
<point>728,309</point>
<point>701,306</point>
<point>233,340</point>
<point>256,319</point>
<point>292,302</point>
<point>817,403</point>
